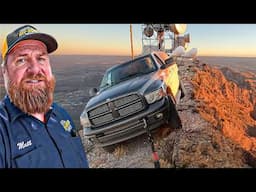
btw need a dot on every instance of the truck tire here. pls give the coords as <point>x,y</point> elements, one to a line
<point>183,90</point>
<point>110,148</point>
<point>174,120</point>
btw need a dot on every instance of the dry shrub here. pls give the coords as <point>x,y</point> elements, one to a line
<point>120,151</point>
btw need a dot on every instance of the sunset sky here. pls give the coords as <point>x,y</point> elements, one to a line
<point>236,40</point>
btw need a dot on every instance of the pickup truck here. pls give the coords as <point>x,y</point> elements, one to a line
<point>136,94</point>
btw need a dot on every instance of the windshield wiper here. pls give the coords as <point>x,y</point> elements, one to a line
<point>127,77</point>
<point>131,75</point>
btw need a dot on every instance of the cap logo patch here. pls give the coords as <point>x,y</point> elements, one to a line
<point>26,31</point>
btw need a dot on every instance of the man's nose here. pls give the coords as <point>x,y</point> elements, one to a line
<point>34,66</point>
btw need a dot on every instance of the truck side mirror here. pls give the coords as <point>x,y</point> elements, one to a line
<point>168,62</point>
<point>163,66</point>
<point>93,92</point>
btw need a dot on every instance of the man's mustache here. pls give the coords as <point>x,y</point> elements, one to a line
<point>39,77</point>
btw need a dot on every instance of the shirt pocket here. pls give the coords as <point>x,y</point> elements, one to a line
<point>36,158</point>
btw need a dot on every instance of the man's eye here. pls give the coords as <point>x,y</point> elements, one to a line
<point>20,61</point>
<point>42,60</point>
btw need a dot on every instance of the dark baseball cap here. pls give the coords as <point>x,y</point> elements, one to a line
<point>24,33</point>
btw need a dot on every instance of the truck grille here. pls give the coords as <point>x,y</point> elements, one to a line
<point>115,109</point>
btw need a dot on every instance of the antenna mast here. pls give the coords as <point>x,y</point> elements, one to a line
<point>131,41</point>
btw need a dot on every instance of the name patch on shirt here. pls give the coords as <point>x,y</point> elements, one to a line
<point>21,145</point>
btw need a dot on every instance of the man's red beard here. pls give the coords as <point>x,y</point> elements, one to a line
<point>33,98</point>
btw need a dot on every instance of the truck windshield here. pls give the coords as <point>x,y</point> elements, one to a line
<point>127,71</point>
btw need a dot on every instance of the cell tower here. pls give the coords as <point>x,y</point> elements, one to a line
<point>163,37</point>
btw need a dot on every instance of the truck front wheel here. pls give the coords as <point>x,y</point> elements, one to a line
<point>174,120</point>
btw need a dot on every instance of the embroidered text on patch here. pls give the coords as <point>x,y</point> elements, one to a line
<point>22,145</point>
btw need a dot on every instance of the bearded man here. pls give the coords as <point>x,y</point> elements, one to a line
<point>35,132</point>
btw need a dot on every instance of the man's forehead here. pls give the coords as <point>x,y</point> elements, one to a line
<point>28,44</point>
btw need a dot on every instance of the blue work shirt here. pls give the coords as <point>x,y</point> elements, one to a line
<point>26,142</point>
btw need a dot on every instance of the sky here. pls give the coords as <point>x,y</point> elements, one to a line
<point>235,40</point>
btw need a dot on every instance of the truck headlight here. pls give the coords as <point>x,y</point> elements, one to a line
<point>84,120</point>
<point>155,96</point>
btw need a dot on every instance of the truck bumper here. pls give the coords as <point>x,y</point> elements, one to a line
<point>154,116</point>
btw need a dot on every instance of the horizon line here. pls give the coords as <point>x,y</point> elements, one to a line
<point>139,55</point>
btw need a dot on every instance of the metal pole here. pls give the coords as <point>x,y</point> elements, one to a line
<point>131,41</point>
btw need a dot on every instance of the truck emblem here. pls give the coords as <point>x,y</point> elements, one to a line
<point>114,112</point>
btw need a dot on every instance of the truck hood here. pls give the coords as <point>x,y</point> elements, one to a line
<point>139,84</point>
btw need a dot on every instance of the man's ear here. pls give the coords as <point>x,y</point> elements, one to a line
<point>3,69</point>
